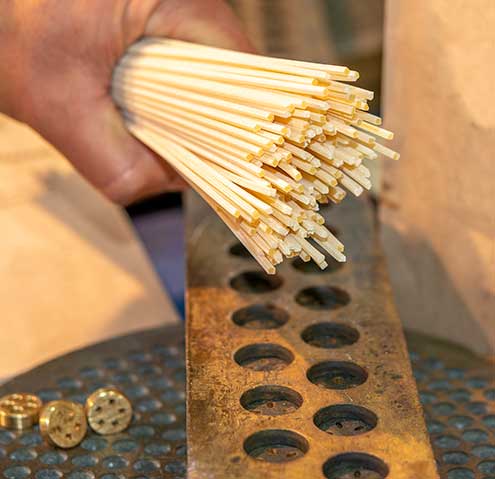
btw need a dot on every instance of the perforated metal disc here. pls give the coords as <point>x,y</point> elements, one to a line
<point>149,368</point>
<point>457,390</point>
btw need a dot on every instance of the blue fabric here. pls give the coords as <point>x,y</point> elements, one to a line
<point>160,227</point>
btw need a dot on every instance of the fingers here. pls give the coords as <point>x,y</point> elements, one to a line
<point>70,105</point>
<point>121,167</point>
<point>211,22</point>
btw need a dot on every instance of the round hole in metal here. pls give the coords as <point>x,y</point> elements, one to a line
<point>310,267</point>
<point>264,357</point>
<point>260,316</point>
<point>255,282</point>
<point>330,335</point>
<point>337,374</point>
<point>239,250</point>
<point>276,445</point>
<point>355,465</point>
<point>271,400</point>
<point>345,420</point>
<point>326,207</point>
<point>460,473</point>
<point>323,297</point>
<point>457,458</point>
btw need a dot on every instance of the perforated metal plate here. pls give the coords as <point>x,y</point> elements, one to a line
<point>457,390</point>
<point>149,368</point>
<point>330,339</point>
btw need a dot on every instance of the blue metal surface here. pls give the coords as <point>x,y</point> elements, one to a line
<point>149,369</point>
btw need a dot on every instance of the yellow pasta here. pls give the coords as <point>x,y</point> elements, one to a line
<point>263,140</point>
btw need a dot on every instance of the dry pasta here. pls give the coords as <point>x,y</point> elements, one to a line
<point>263,140</point>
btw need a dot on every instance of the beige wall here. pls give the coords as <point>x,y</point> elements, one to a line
<point>72,271</point>
<point>439,200</point>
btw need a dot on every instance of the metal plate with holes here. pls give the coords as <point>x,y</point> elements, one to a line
<point>303,374</point>
<point>149,368</point>
<point>457,390</point>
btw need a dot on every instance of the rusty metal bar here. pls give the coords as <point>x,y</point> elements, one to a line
<point>305,374</point>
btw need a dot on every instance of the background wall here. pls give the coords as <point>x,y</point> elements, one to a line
<point>438,202</point>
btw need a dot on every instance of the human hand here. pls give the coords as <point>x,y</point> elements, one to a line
<point>56,64</point>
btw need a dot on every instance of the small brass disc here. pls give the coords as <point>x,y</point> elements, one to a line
<point>19,411</point>
<point>108,411</point>
<point>63,423</point>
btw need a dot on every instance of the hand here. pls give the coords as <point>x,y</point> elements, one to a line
<point>56,63</point>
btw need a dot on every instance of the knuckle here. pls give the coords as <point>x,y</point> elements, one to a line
<point>125,187</point>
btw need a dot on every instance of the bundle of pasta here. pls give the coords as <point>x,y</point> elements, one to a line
<point>263,140</point>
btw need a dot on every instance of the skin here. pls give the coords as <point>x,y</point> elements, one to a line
<point>56,63</point>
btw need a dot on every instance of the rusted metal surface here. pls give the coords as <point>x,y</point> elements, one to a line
<point>339,343</point>
<point>305,375</point>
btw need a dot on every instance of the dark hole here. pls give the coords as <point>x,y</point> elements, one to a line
<point>111,401</point>
<point>260,316</point>
<point>310,267</point>
<point>345,420</point>
<point>263,357</point>
<point>101,421</point>
<point>255,282</point>
<point>337,375</point>
<point>330,335</point>
<point>122,410</point>
<point>98,409</point>
<point>325,207</point>
<point>276,445</point>
<point>115,422</point>
<point>239,250</point>
<point>323,297</point>
<point>353,465</point>
<point>271,400</point>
